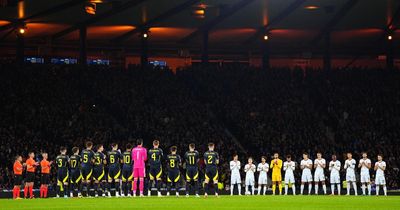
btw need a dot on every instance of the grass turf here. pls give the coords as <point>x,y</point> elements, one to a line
<point>212,203</point>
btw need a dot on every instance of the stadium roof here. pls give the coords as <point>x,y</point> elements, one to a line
<point>239,24</point>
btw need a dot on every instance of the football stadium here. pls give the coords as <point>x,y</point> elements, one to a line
<point>200,104</point>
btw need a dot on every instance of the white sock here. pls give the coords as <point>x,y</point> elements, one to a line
<point>309,188</point>
<point>377,189</point>
<point>252,189</point>
<point>316,189</point>
<point>232,186</point>
<point>294,189</point>
<point>355,188</point>
<point>286,188</point>
<point>324,188</point>
<point>301,189</point>
<point>239,189</point>
<point>259,190</point>
<point>265,189</point>
<point>369,189</point>
<point>385,190</point>
<point>363,188</point>
<point>333,189</point>
<point>247,189</point>
<point>338,189</point>
<point>348,188</point>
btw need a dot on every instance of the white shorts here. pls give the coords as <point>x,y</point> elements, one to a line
<point>350,177</point>
<point>250,181</point>
<point>306,177</point>
<point>262,179</point>
<point>365,178</point>
<point>289,178</point>
<point>380,180</point>
<point>319,177</point>
<point>235,179</point>
<point>335,179</point>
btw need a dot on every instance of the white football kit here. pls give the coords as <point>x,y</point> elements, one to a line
<point>263,169</point>
<point>235,172</point>
<point>334,167</point>
<point>350,166</point>
<point>289,168</point>
<point>380,174</point>
<point>319,175</point>
<point>365,177</point>
<point>250,169</point>
<point>306,175</point>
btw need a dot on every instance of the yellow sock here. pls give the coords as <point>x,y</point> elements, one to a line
<point>273,188</point>
<point>280,189</point>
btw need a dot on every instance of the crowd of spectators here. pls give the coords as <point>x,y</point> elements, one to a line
<point>289,111</point>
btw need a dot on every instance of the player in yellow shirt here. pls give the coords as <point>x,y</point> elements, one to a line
<point>276,165</point>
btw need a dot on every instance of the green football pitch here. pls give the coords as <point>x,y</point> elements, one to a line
<point>212,203</point>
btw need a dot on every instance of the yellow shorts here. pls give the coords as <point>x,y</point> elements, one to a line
<point>276,177</point>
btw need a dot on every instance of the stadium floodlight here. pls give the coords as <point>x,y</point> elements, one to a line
<point>266,37</point>
<point>90,8</point>
<point>21,30</point>
<point>311,7</point>
<point>145,35</point>
<point>390,37</point>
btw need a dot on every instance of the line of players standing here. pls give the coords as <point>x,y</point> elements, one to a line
<point>306,166</point>
<point>80,173</point>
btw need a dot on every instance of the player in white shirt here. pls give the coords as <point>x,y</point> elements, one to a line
<point>350,165</point>
<point>289,166</point>
<point>263,168</point>
<point>380,168</point>
<point>319,175</point>
<point>235,174</point>
<point>365,165</point>
<point>250,169</point>
<point>306,176</point>
<point>334,167</point>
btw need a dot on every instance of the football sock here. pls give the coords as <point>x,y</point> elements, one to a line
<point>232,186</point>
<point>316,189</point>
<point>117,187</point>
<point>301,188</point>
<point>31,191</point>
<point>324,188</point>
<point>385,190</point>
<point>333,188</point>
<point>273,188</point>
<point>15,192</point>
<point>294,189</point>
<point>309,188</point>
<point>216,188</point>
<point>280,188</point>
<point>363,188</point>
<point>369,189</point>
<point>45,191</point>
<point>41,191</point>
<point>123,190</point>
<point>286,189</point>
<point>339,189</point>
<point>355,188</point>
<point>377,189</point>
<point>26,191</point>
<point>348,188</point>
<point>207,188</point>
<point>129,187</point>
<point>96,187</point>
<point>134,185</point>
<point>158,184</point>
<point>239,189</point>
<point>141,185</point>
